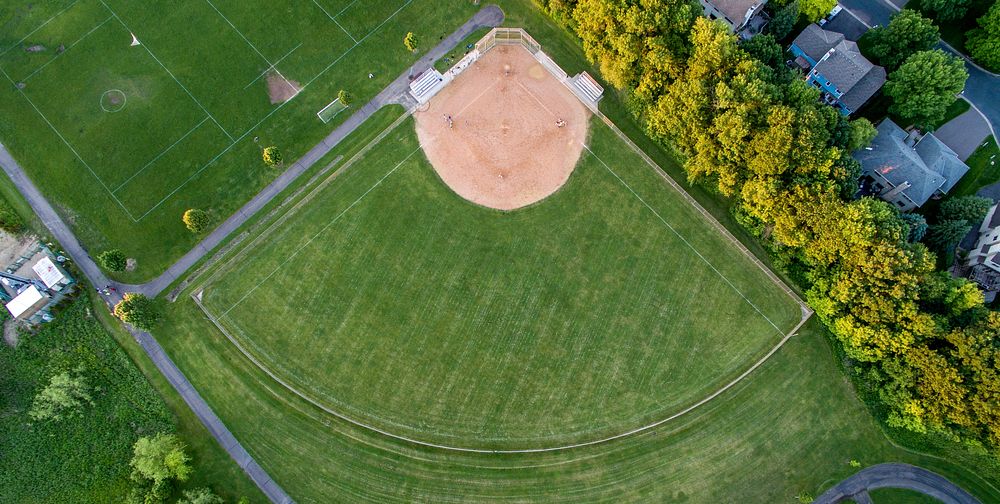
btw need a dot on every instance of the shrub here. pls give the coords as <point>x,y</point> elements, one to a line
<point>344,97</point>
<point>10,220</point>
<point>137,310</point>
<point>410,41</point>
<point>200,496</point>
<point>160,458</point>
<point>272,156</point>
<point>63,397</point>
<point>196,220</point>
<point>113,260</point>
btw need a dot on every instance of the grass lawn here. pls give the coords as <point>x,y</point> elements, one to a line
<point>900,496</point>
<point>984,169</point>
<point>124,139</point>
<point>587,300</point>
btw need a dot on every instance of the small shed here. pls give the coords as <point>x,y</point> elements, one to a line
<point>27,303</point>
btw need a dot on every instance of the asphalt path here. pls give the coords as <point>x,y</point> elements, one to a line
<point>395,92</point>
<point>895,475</point>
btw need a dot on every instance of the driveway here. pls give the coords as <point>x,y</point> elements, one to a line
<point>906,476</point>
<point>964,133</point>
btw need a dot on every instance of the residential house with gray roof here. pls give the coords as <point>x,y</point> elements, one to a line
<point>845,77</point>
<point>745,18</point>
<point>907,169</point>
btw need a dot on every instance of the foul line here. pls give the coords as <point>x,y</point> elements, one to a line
<point>171,74</point>
<point>321,231</point>
<point>39,69</point>
<point>268,69</point>
<point>334,19</point>
<point>345,8</point>
<point>158,156</point>
<point>47,21</point>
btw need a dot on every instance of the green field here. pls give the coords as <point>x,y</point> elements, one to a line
<point>191,101</point>
<point>397,303</point>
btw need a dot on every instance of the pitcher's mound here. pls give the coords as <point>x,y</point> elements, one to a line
<point>505,133</point>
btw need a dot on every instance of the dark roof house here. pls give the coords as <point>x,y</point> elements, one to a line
<point>906,169</point>
<point>836,66</point>
<point>744,17</point>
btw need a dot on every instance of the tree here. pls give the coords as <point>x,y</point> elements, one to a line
<point>113,260</point>
<point>814,10</point>
<point>764,49</point>
<point>160,458</point>
<point>344,97</point>
<point>917,226</point>
<point>968,208</point>
<point>272,156</point>
<point>907,33</point>
<point>784,20</point>
<point>983,43</point>
<point>200,496</point>
<point>945,10</point>
<point>63,397</point>
<point>944,237</point>
<point>861,134</point>
<point>137,310</point>
<point>924,87</point>
<point>196,220</point>
<point>410,41</point>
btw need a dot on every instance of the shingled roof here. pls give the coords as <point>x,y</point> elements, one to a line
<point>816,42</point>
<point>852,73</point>
<point>735,10</point>
<point>941,159</point>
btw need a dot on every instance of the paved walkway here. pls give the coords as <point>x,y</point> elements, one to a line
<point>395,92</point>
<point>896,476</point>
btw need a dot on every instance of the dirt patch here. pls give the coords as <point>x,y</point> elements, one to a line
<point>280,89</point>
<point>10,332</point>
<point>506,133</point>
<point>14,246</point>
<point>130,264</point>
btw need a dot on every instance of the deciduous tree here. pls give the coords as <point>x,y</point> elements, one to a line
<point>983,43</point>
<point>410,41</point>
<point>160,458</point>
<point>63,397</point>
<point>138,310</point>
<point>113,260</point>
<point>907,33</point>
<point>196,220</point>
<point>272,156</point>
<point>969,208</point>
<point>945,10</point>
<point>814,10</point>
<point>924,87</point>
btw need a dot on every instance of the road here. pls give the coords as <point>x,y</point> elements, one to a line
<point>395,92</point>
<point>982,87</point>
<point>894,475</point>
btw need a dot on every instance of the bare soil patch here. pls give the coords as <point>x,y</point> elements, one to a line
<point>505,133</point>
<point>280,89</point>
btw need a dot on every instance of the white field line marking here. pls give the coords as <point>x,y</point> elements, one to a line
<point>171,74</point>
<point>345,8</point>
<point>276,109</point>
<point>158,156</point>
<point>75,153</point>
<point>321,231</point>
<point>77,41</point>
<point>245,39</point>
<point>686,242</point>
<point>480,95</point>
<point>32,32</point>
<point>216,321</point>
<point>268,69</point>
<point>335,21</point>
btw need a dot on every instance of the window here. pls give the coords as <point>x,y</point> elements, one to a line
<point>713,16</point>
<point>900,203</point>
<point>827,83</point>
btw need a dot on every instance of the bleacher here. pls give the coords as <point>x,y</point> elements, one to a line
<point>587,88</point>
<point>426,85</point>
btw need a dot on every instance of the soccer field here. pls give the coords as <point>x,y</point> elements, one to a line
<point>123,138</point>
<point>610,305</point>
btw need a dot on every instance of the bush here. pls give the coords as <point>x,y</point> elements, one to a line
<point>200,496</point>
<point>344,97</point>
<point>272,156</point>
<point>137,310</point>
<point>113,260</point>
<point>160,458</point>
<point>410,41</point>
<point>10,220</point>
<point>196,220</point>
<point>63,397</point>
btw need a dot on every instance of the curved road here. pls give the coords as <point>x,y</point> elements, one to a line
<point>395,92</point>
<point>896,475</point>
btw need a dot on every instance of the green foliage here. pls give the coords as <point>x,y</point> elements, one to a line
<point>10,220</point>
<point>784,20</point>
<point>944,236</point>
<point>968,208</point>
<point>983,43</point>
<point>344,97</point>
<point>113,260</point>
<point>917,226</point>
<point>862,132</point>
<point>765,49</point>
<point>854,463</point>
<point>945,10</point>
<point>925,86</point>
<point>160,458</point>
<point>64,396</point>
<point>272,156</point>
<point>138,310</point>
<point>200,496</point>
<point>82,458</point>
<point>805,497</point>
<point>196,220</point>
<point>907,33</point>
<point>814,10</point>
<point>410,41</point>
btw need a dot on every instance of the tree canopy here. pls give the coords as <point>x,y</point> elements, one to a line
<point>923,87</point>
<point>161,458</point>
<point>983,43</point>
<point>63,397</point>
<point>907,33</point>
<point>137,310</point>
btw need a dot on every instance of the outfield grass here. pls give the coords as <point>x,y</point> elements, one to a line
<point>195,101</point>
<point>580,317</point>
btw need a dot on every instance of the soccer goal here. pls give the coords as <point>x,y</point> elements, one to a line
<point>327,113</point>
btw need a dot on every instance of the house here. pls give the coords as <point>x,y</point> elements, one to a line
<point>744,17</point>
<point>846,79</point>
<point>984,259</point>
<point>907,169</point>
